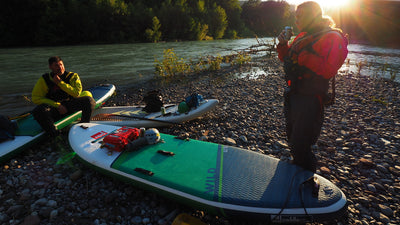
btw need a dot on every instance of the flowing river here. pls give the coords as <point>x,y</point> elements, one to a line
<point>124,64</point>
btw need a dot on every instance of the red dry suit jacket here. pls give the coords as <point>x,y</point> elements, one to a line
<point>322,53</point>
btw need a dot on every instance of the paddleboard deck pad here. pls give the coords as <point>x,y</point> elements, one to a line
<point>135,116</point>
<point>219,179</point>
<point>30,132</point>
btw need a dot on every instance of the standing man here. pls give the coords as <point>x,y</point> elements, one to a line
<point>310,62</point>
<point>58,94</point>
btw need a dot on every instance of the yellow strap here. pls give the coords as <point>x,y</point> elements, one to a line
<point>20,116</point>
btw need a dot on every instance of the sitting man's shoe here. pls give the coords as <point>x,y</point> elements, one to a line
<point>54,133</point>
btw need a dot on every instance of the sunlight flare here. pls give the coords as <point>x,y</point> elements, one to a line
<point>334,4</point>
<point>326,4</point>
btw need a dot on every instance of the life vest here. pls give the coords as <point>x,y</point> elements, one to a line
<point>56,93</point>
<point>304,80</point>
<point>7,128</point>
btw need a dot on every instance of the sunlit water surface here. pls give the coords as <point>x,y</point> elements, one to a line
<point>124,64</point>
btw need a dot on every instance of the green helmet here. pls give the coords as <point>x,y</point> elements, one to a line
<point>183,107</point>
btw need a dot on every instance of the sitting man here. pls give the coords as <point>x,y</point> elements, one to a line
<point>58,94</point>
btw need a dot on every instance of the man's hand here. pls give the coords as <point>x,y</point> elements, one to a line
<point>62,110</point>
<point>281,38</point>
<point>56,79</point>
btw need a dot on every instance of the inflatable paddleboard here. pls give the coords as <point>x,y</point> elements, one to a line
<point>222,180</point>
<point>30,132</point>
<point>134,116</point>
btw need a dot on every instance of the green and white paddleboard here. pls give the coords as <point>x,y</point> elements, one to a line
<point>30,132</point>
<point>219,179</point>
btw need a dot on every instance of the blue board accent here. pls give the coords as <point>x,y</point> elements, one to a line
<point>99,91</point>
<point>262,181</point>
<point>218,174</point>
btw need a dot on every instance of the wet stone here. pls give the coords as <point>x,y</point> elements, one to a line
<point>358,150</point>
<point>386,210</point>
<point>230,141</point>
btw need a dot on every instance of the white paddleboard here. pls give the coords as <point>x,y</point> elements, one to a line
<point>30,132</point>
<point>134,116</point>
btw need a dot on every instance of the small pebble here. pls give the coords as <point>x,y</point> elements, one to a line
<point>357,150</point>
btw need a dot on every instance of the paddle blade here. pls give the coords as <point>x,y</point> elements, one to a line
<point>66,158</point>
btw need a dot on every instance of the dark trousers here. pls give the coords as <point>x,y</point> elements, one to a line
<point>46,115</point>
<point>304,118</point>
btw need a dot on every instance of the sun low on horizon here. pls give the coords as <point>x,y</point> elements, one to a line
<point>326,4</point>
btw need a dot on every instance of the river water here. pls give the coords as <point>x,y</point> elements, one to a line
<point>124,64</point>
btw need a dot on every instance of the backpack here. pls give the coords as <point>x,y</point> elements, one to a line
<point>7,129</point>
<point>154,101</point>
<point>193,100</point>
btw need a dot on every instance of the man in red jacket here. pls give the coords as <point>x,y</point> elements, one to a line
<point>310,62</point>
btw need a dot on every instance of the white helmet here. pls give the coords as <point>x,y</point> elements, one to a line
<point>152,136</point>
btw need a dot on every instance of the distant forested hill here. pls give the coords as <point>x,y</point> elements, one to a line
<point>65,22</point>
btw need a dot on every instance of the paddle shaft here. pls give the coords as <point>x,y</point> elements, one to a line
<point>140,118</point>
<point>20,116</point>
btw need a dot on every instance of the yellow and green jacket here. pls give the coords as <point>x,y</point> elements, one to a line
<point>46,91</point>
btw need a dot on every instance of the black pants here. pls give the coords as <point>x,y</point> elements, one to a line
<point>46,115</point>
<point>304,118</point>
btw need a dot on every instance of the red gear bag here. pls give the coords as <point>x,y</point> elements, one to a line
<point>120,138</point>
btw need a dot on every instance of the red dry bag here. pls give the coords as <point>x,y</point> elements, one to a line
<point>120,138</point>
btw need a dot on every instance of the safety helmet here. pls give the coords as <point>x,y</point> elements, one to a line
<point>152,136</point>
<point>183,107</point>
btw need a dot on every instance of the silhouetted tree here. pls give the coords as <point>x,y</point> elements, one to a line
<point>49,22</point>
<point>154,34</point>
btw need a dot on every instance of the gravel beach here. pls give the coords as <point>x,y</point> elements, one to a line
<point>358,150</point>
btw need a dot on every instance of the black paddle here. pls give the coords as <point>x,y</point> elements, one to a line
<point>137,117</point>
<point>23,115</point>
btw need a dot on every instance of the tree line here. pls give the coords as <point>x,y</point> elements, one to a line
<point>66,22</point>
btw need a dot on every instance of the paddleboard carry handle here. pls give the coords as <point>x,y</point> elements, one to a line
<point>162,152</point>
<point>144,171</point>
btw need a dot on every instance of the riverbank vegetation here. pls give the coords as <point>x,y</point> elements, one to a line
<point>171,65</point>
<point>66,22</point>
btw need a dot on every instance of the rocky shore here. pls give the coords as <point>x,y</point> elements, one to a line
<point>358,150</point>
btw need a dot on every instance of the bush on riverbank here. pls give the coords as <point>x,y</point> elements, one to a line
<point>171,65</point>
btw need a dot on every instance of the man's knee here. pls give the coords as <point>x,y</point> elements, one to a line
<point>40,111</point>
<point>88,102</point>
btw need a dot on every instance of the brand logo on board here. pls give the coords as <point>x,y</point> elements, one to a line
<point>211,180</point>
<point>99,135</point>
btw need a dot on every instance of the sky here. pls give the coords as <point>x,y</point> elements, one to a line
<point>324,3</point>
<point>328,3</point>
